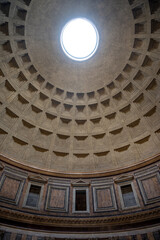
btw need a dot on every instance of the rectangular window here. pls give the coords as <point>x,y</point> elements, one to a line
<point>133,237</point>
<point>81,200</point>
<point>7,236</point>
<point>156,235</point>
<point>144,236</point>
<point>80,204</point>
<point>28,237</point>
<point>128,196</point>
<point>33,196</point>
<point>18,237</point>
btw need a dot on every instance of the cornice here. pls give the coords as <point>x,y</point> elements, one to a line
<point>79,222</point>
<point>139,165</point>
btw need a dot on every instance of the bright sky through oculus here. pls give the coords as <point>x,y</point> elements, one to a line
<point>79,39</point>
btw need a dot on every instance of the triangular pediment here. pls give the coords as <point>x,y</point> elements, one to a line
<point>124,178</point>
<point>36,178</point>
<point>80,182</point>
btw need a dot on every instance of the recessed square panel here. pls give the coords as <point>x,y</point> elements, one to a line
<point>150,187</point>
<point>57,198</point>
<point>104,198</point>
<point>11,180</point>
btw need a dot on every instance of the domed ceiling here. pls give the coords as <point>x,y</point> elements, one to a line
<point>64,116</point>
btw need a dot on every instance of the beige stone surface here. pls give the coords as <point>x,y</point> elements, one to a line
<point>77,117</point>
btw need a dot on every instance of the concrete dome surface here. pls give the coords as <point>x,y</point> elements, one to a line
<point>100,115</point>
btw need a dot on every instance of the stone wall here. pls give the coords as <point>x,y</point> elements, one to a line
<point>106,209</point>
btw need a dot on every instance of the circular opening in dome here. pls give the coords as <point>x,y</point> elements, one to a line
<point>79,39</point>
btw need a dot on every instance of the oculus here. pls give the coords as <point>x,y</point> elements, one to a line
<point>79,39</point>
